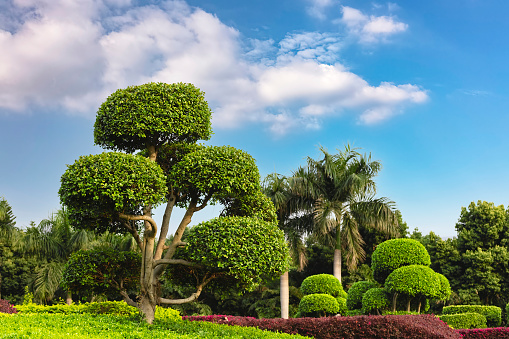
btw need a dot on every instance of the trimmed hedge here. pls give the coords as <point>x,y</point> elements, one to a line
<point>319,304</point>
<point>485,333</point>
<point>493,314</point>
<point>464,320</point>
<point>360,327</point>
<point>321,284</point>
<point>395,253</point>
<point>375,300</point>
<point>355,293</point>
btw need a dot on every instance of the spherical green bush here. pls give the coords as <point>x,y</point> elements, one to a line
<point>321,283</point>
<point>319,304</point>
<point>414,280</point>
<point>343,294</point>
<point>444,291</point>
<point>395,253</point>
<point>375,300</point>
<point>343,310</point>
<point>355,293</point>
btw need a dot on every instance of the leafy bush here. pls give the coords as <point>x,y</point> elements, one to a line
<point>321,284</point>
<point>110,307</point>
<point>375,300</point>
<point>395,253</point>
<point>414,280</point>
<point>7,308</point>
<point>355,293</point>
<point>360,327</point>
<point>464,320</point>
<point>318,305</point>
<point>343,310</point>
<point>485,333</point>
<point>493,314</point>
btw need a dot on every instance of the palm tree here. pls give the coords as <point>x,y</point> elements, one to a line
<point>342,189</point>
<point>291,220</point>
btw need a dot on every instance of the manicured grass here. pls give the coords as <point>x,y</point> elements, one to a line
<point>81,326</point>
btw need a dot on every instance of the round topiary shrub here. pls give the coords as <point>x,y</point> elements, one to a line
<point>395,253</point>
<point>343,310</point>
<point>375,301</point>
<point>322,284</point>
<point>355,293</point>
<point>318,305</point>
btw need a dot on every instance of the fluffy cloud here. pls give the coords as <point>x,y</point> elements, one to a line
<point>317,8</point>
<point>370,28</point>
<point>71,54</point>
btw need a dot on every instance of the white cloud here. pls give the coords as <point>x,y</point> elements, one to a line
<point>317,8</point>
<point>370,29</point>
<point>71,54</point>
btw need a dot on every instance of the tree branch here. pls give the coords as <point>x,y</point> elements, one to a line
<point>177,262</point>
<point>134,233</point>
<point>192,297</point>
<point>128,299</point>
<point>140,217</point>
<point>165,225</point>
<point>204,203</point>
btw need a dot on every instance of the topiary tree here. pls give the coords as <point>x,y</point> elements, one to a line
<point>318,304</point>
<point>116,192</point>
<point>322,283</point>
<point>343,310</point>
<point>413,281</point>
<point>355,293</point>
<point>395,253</point>
<point>375,300</point>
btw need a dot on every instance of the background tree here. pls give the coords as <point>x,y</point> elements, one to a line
<point>343,191</point>
<point>117,191</point>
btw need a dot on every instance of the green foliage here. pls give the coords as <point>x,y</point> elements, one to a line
<point>102,271</point>
<point>321,284</point>
<point>240,248</point>
<point>493,314</point>
<point>395,253</point>
<point>222,172</point>
<point>85,326</point>
<point>414,280</point>
<point>444,291</point>
<point>375,301</point>
<point>152,114</point>
<point>464,320</point>
<point>318,305</point>
<point>343,310</point>
<point>98,187</point>
<point>253,205</point>
<point>356,292</point>
<point>28,297</point>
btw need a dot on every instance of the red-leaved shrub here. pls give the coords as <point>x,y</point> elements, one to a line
<point>361,327</point>
<point>485,333</point>
<point>5,307</point>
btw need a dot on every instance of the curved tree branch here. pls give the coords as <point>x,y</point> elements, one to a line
<point>140,217</point>
<point>177,262</point>
<point>192,297</point>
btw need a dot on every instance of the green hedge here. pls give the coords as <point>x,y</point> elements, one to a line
<point>395,253</point>
<point>322,284</point>
<point>318,305</point>
<point>493,314</point>
<point>355,293</point>
<point>464,320</point>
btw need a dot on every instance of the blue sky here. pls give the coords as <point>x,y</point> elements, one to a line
<point>422,86</point>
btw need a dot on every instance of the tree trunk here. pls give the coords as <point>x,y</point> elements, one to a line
<point>394,301</point>
<point>147,308</point>
<point>336,268</point>
<point>68,297</point>
<point>284,295</point>
<point>408,304</point>
<point>419,308</point>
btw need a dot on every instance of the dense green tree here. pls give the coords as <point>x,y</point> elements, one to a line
<point>116,192</point>
<point>7,228</point>
<point>343,189</point>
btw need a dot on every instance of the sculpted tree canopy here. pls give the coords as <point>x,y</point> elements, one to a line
<point>116,191</point>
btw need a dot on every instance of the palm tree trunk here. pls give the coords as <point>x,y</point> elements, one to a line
<point>336,268</point>
<point>284,295</point>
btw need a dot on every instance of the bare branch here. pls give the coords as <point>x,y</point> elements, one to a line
<point>128,299</point>
<point>140,217</point>
<point>192,297</point>
<point>176,262</point>
<point>134,233</point>
<point>165,225</point>
<point>204,203</point>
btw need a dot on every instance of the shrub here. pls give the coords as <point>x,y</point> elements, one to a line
<point>355,293</point>
<point>343,310</point>
<point>395,253</point>
<point>485,333</point>
<point>321,284</point>
<point>7,308</point>
<point>464,320</point>
<point>375,300</point>
<point>110,307</point>
<point>318,305</point>
<point>166,313</point>
<point>493,314</point>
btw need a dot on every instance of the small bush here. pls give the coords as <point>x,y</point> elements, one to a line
<point>321,284</point>
<point>110,307</point>
<point>493,314</point>
<point>7,308</point>
<point>464,320</point>
<point>164,313</point>
<point>485,333</point>
<point>375,300</point>
<point>343,310</point>
<point>318,305</point>
<point>355,293</point>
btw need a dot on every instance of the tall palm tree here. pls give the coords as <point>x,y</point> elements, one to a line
<point>343,190</point>
<point>292,221</point>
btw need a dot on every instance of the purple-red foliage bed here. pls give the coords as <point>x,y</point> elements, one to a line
<point>359,327</point>
<point>485,333</point>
